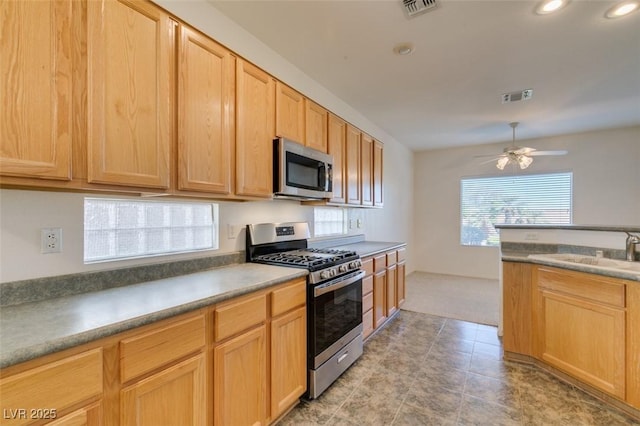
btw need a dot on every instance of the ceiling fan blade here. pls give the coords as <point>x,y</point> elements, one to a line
<point>488,155</point>
<point>492,160</point>
<point>559,152</point>
<point>525,150</point>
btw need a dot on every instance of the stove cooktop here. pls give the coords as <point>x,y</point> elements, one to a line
<point>310,258</point>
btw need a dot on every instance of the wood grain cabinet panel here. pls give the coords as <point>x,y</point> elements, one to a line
<point>240,380</point>
<point>378,165</point>
<point>289,113</point>
<point>316,127</point>
<point>379,298</point>
<point>36,89</point>
<point>287,297</point>
<point>517,307</point>
<point>173,396</point>
<point>55,386</point>
<point>401,291</point>
<point>130,53</point>
<point>288,360</point>
<point>90,415</point>
<point>337,134</point>
<point>633,344</point>
<point>239,314</point>
<point>392,302</point>
<point>255,131</point>
<point>366,169</point>
<point>353,161</point>
<point>206,114</point>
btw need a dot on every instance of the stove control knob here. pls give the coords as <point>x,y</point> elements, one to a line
<point>333,272</point>
<point>324,275</point>
<point>342,268</point>
<point>353,265</point>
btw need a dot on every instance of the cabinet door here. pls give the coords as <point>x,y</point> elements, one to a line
<point>174,396</point>
<point>584,339</point>
<point>391,290</point>
<point>206,102</point>
<point>129,50</point>
<point>517,306</point>
<point>366,168</point>
<point>86,416</point>
<point>378,148</point>
<point>240,381</point>
<point>400,284</point>
<point>316,126</point>
<point>35,88</point>
<point>288,360</point>
<point>379,298</point>
<point>336,147</point>
<point>289,113</point>
<point>354,187</point>
<point>255,110</point>
<point>633,344</point>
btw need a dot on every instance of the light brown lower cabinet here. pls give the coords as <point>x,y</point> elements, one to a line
<point>584,325</point>
<point>383,288</point>
<point>242,361</point>
<point>239,375</point>
<point>173,396</point>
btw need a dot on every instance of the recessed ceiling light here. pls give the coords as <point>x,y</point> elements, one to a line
<point>550,6</point>
<point>622,9</point>
<point>403,49</point>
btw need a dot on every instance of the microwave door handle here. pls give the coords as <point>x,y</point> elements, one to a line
<point>322,175</point>
<point>328,178</point>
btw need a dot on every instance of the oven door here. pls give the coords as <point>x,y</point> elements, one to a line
<point>335,316</point>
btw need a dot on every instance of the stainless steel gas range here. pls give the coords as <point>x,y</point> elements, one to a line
<point>334,296</point>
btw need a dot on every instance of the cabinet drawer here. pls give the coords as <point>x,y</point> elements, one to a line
<point>402,254</point>
<point>148,351</point>
<point>367,266</point>
<point>392,258</point>
<point>367,302</point>
<point>57,385</point>
<point>585,286</point>
<point>288,297</point>
<point>380,263</point>
<point>236,316</point>
<point>367,285</point>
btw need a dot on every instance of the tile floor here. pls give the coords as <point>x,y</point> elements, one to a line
<point>428,370</point>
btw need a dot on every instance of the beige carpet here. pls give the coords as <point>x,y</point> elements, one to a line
<point>463,298</point>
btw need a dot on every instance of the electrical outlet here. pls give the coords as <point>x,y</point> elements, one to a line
<point>359,223</point>
<point>350,223</point>
<point>231,232</point>
<point>50,240</point>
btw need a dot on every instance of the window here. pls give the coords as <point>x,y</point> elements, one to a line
<point>328,221</point>
<point>527,199</point>
<point>124,229</point>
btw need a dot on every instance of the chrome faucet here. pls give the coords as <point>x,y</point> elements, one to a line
<point>632,240</point>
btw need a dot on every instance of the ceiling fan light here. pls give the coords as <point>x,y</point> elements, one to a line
<point>502,162</point>
<point>524,161</point>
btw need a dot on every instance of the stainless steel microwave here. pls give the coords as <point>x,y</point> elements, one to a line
<point>301,172</point>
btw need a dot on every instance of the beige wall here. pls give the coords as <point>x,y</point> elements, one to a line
<point>23,213</point>
<point>606,179</point>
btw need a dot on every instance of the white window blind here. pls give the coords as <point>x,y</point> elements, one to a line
<point>328,221</point>
<point>526,199</point>
<point>122,229</point>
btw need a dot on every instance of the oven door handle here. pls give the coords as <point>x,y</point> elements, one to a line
<point>319,291</point>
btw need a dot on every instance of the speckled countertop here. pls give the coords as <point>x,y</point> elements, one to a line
<point>523,257</point>
<point>370,248</point>
<point>30,330</point>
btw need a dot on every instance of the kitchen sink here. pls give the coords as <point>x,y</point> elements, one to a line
<point>591,261</point>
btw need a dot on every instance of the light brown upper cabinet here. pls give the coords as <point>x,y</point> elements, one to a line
<point>353,159</point>
<point>36,88</point>
<point>316,126</point>
<point>366,169</point>
<point>130,67</point>
<point>255,92</point>
<point>289,113</point>
<point>378,151</point>
<point>336,147</point>
<point>206,118</point>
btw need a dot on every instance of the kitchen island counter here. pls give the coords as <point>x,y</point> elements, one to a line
<point>31,330</point>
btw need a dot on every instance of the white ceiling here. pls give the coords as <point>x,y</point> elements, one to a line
<point>584,69</point>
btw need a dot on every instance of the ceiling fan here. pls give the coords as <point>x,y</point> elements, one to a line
<point>516,155</point>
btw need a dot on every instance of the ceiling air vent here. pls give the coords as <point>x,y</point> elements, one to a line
<point>522,95</point>
<point>417,7</point>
